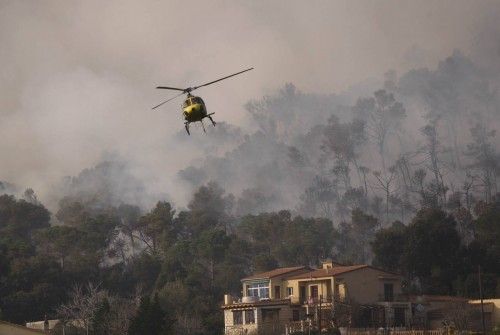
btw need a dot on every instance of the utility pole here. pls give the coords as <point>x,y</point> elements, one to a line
<point>481,297</point>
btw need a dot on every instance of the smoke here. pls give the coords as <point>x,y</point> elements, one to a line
<point>77,80</point>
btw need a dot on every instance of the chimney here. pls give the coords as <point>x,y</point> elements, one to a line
<point>228,299</point>
<point>327,264</point>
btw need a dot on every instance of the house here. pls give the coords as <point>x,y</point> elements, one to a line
<point>357,295</point>
<point>264,306</point>
<point>435,311</point>
<point>7,328</point>
<point>491,308</point>
<point>439,311</point>
<point>56,326</point>
<point>46,326</point>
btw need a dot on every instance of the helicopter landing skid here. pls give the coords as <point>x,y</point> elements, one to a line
<point>209,116</point>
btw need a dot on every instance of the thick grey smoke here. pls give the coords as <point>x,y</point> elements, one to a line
<point>77,78</point>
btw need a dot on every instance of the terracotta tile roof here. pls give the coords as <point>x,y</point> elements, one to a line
<point>274,273</point>
<point>243,305</point>
<point>336,270</point>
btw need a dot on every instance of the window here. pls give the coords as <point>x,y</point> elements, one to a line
<point>314,291</point>
<point>237,318</point>
<point>303,297</point>
<point>277,292</point>
<point>388,292</point>
<point>340,292</point>
<point>260,290</point>
<point>289,291</point>
<point>295,315</point>
<point>249,316</point>
<point>270,316</point>
<point>197,100</point>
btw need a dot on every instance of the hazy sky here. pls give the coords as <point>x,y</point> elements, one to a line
<point>77,77</point>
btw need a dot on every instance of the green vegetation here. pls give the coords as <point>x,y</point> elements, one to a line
<point>164,272</point>
<point>405,179</point>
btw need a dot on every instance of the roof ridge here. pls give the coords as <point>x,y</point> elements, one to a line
<point>274,272</point>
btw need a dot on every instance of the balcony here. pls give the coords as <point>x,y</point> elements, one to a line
<point>315,300</point>
<point>400,297</point>
<point>340,298</point>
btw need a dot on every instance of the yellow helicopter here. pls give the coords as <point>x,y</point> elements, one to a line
<point>193,108</point>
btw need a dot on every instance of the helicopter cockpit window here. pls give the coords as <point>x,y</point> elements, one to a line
<point>197,100</point>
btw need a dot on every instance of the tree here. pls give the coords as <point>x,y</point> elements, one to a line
<point>209,208</point>
<point>71,213</point>
<point>432,251</point>
<point>388,247</point>
<point>282,115</point>
<point>355,237</point>
<point>363,226</point>
<point>129,216</point>
<point>19,218</point>
<point>264,262</point>
<point>60,242</point>
<point>289,241</point>
<point>101,318</point>
<point>385,182</point>
<point>382,114</point>
<point>485,160</point>
<point>343,141</point>
<point>319,198</point>
<point>253,201</point>
<point>31,287</point>
<point>432,152</point>
<point>122,312</point>
<point>83,305</point>
<point>211,246</point>
<point>98,232</point>
<point>30,196</point>
<point>487,227</point>
<point>158,225</point>
<point>150,319</point>
<point>461,315</point>
<point>450,93</point>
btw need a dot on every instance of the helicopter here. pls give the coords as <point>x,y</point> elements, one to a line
<point>194,108</point>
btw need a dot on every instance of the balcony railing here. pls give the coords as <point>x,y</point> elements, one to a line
<point>315,300</point>
<point>238,329</point>
<point>392,298</point>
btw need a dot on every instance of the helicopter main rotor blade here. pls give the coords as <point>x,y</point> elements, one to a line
<point>212,82</point>
<point>171,88</point>
<point>164,102</point>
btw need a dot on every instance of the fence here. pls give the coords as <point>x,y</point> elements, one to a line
<point>381,331</point>
<point>303,327</point>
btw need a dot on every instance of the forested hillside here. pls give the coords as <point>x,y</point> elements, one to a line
<point>404,178</point>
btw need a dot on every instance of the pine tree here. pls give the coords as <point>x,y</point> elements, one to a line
<point>150,319</point>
